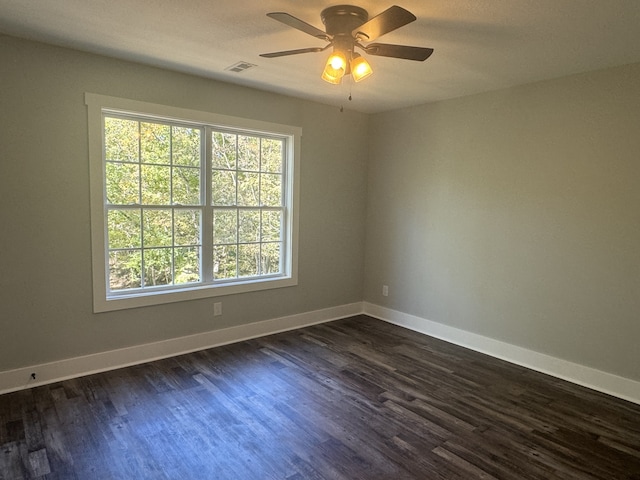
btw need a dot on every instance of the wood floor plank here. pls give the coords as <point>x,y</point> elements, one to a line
<point>352,399</point>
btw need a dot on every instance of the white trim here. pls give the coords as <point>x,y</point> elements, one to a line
<point>608,383</point>
<point>102,302</point>
<point>95,100</point>
<point>18,379</point>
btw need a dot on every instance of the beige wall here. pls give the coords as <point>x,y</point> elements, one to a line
<point>45,269</point>
<point>513,214</point>
<point>516,215</point>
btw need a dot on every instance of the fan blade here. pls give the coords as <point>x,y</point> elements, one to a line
<point>405,52</point>
<point>392,18</point>
<point>292,52</point>
<point>298,24</point>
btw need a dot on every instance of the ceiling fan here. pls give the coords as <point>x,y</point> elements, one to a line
<point>348,27</point>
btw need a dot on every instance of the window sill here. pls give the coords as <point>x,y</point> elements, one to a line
<point>150,298</point>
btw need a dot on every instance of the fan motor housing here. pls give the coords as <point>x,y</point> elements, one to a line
<point>343,19</point>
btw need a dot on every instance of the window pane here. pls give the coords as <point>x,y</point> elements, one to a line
<point>223,187</point>
<point>157,228</point>
<point>124,269</point>
<point>186,227</point>
<point>186,186</point>
<point>176,213</point>
<point>187,265</point>
<point>223,152</point>
<point>224,261</point>
<point>225,226</point>
<point>186,146</point>
<point>271,226</point>
<point>121,140</point>
<point>157,267</point>
<point>123,183</point>
<point>156,185</point>
<point>270,258</point>
<point>248,189</point>
<point>248,153</point>
<point>248,260</point>
<point>155,143</point>
<point>271,189</point>
<point>271,155</point>
<point>249,226</point>
<point>124,228</point>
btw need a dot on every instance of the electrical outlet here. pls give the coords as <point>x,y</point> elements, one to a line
<point>217,309</point>
<point>385,290</point>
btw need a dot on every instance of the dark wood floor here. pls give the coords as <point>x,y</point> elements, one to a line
<point>352,399</point>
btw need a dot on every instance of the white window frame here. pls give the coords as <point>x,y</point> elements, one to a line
<point>102,300</point>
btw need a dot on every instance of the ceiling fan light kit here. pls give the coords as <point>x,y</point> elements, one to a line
<point>335,68</point>
<point>360,68</point>
<point>346,28</point>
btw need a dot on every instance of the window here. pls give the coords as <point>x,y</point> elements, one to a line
<point>188,204</point>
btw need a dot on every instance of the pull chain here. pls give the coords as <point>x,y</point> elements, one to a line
<point>350,97</point>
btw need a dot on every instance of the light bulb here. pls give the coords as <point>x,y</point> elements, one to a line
<point>335,68</point>
<point>337,62</point>
<point>360,68</point>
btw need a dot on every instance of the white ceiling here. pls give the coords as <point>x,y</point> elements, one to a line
<point>480,45</point>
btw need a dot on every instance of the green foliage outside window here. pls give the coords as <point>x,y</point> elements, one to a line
<point>246,186</point>
<point>155,202</point>
<point>152,176</point>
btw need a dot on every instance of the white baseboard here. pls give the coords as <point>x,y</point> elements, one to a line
<point>12,380</point>
<point>608,383</point>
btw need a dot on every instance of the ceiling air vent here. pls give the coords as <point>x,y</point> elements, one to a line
<point>240,67</point>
